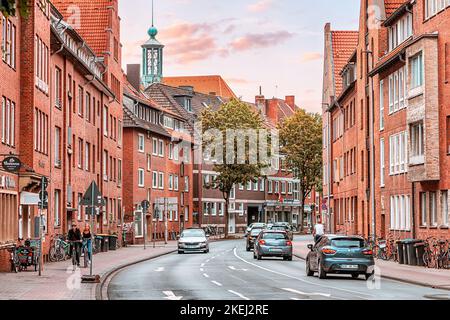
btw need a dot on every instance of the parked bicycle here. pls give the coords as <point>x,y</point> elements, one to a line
<point>14,259</point>
<point>59,248</point>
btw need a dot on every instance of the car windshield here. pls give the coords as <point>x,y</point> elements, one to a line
<point>347,243</point>
<point>193,234</point>
<point>278,228</point>
<point>274,236</point>
<point>255,232</point>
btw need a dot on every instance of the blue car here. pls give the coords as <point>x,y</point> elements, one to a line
<point>271,243</point>
<point>340,255</point>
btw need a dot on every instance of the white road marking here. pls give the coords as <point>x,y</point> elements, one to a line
<point>205,275</point>
<point>307,294</point>
<point>234,269</point>
<point>238,294</point>
<point>201,269</point>
<point>160,269</point>
<point>171,296</point>
<point>217,283</point>
<point>202,265</point>
<point>300,279</point>
<point>208,260</point>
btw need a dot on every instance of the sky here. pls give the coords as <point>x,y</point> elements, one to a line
<point>275,44</point>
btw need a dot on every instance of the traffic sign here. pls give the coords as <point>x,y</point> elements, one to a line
<point>93,196</point>
<point>11,164</point>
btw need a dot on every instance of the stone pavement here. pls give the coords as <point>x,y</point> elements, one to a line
<point>60,282</point>
<point>434,278</point>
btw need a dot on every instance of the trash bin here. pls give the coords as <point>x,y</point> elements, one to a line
<point>104,242</point>
<point>420,251</point>
<point>112,242</point>
<point>410,251</point>
<point>98,243</point>
<point>400,252</point>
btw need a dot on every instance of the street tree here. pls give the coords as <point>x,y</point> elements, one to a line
<point>301,143</point>
<point>9,7</point>
<point>233,127</point>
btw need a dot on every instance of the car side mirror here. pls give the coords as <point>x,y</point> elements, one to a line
<point>310,247</point>
<point>178,237</point>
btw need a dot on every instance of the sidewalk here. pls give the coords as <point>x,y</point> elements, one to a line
<point>435,278</point>
<point>59,282</point>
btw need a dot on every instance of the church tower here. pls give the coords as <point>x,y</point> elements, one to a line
<point>152,57</point>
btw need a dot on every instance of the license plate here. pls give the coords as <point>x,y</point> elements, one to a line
<point>275,249</point>
<point>349,266</point>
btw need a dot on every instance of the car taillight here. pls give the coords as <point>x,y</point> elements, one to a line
<point>368,252</point>
<point>262,242</point>
<point>328,251</point>
<point>289,243</point>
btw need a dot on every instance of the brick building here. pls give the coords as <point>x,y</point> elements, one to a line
<point>61,86</point>
<point>401,90</point>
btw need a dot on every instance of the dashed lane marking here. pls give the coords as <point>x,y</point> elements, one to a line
<point>217,283</point>
<point>238,294</point>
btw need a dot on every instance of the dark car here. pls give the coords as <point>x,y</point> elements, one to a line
<point>272,243</point>
<point>283,227</point>
<point>340,255</point>
<point>254,233</point>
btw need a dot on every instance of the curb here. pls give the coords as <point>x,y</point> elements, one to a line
<point>105,277</point>
<point>417,283</point>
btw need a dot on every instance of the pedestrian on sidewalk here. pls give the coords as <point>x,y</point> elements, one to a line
<point>319,230</point>
<point>74,237</point>
<point>87,240</point>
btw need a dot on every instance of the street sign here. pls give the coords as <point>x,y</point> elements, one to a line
<point>11,164</point>
<point>145,205</point>
<point>93,196</point>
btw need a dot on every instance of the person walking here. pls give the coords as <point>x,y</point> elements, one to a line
<point>74,237</point>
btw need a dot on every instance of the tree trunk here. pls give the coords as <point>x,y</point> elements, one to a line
<point>227,204</point>
<point>302,208</point>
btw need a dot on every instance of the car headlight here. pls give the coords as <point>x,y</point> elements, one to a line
<point>203,244</point>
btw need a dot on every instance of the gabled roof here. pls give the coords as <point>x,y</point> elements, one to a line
<point>392,5</point>
<point>93,16</point>
<point>204,84</point>
<point>343,45</point>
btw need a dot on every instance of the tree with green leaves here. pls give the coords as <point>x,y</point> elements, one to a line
<point>9,7</point>
<point>301,142</point>
<point>235,161</point>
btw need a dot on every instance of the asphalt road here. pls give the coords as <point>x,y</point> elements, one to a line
<point>228,272</point>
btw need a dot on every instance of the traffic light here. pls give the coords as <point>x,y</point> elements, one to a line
<point>43,195</point>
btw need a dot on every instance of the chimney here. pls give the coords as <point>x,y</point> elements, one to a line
<point>290,101</point>
<point>260,102</point>
<point>134,75</point>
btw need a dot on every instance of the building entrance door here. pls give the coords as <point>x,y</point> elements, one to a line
<point>253,215</point>
<point>231,223</point>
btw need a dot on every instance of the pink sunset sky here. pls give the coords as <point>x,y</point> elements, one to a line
<point>276,44</point>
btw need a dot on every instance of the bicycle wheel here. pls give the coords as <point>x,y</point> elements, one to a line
<point>52,255</point>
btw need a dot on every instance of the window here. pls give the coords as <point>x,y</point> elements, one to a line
<point>290,188</point>
<point>175,183</point>
<point>80,153</point>
<point>170,151</point>
<point>8,123</point>
<point>423,209</point>
<point>80,207</point>
<point>120,129</point>
<point>139,221</point>
<point>141,143</point>
<point>397,91</point>
<point>262,183</point>
<point>57,147</point>
<point>400,213</point>
<point>188,104</point>
<point>9,42</point>
<point>417,71</point>
<point>444,208</point>
<point>221,209</point>
<point>161,148</point>
<point>155,146</point>
<point>141,178</point>
<point>382,163</point>
<point>186,183</point>
<point>87,156</point>
<point>170,182</point>
<point>433,209</point>
<point>205,208</point>
<point>186,154</point>
<point>213,209</point>
<point>105,165</point>
<point>119,172</point>
<point>269,186</point>
<point>105,121</point>
<point>249,186</point>
<point>255,185</point>
<point>155,180</point>
<point>417,143</point>
<point>381,105</point>
<point>277,186</point>
<point>398,153</point>
<point>432,7</point>
<point>58,88</point>
<point>161,180</point>
<point>57,208</point>
<point>400,31</point>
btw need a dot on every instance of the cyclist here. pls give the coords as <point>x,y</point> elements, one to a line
<point>87,240</point>
<point>318,231</point>
<point>74,238</point>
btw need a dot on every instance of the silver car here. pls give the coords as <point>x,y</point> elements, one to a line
<point>273,244</point>
<point>193,240</point>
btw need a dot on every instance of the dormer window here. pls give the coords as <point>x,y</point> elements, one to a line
<point>400,31</point>
<point>188,104</point>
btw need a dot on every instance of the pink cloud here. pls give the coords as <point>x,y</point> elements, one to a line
<point>260,6</point>
<point>251,41</point>
<point>311,56</point>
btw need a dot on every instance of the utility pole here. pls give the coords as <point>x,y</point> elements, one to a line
<point>166,235</point>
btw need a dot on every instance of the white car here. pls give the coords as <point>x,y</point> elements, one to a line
<point>193,240</point>
<point>255,225</point>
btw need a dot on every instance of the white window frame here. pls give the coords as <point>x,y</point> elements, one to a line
<point>141,143</point>
<point>141,178</point>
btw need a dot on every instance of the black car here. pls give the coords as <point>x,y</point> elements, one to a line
<point>340,255</point>
<point>251,238</point>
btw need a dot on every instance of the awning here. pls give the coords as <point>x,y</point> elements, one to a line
<point>29,199</point>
